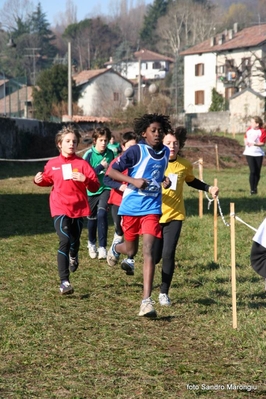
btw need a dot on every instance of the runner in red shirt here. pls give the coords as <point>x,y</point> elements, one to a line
<point>70,176</point>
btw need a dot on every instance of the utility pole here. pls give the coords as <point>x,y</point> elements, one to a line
<point>33,55</point>
<point>139,82</point>
<point>69,81</point>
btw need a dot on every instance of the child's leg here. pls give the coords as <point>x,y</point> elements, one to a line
<point>117,220</point>
<point>129,248</point>
<point>252,173</point>
<point>171,232</point>
<point>258,164</point>
<point>75,233</point>
<point>148,265</point>
<point>62,227</point>
<point>102,220</point>
<point>258,258</point>
<point>92,219</point>
<point>157,250</point>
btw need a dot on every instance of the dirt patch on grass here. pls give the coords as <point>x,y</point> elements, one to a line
<point>212,148</point>
<point>208,147</point>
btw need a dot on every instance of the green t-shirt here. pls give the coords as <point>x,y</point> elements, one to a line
<point>94,158</point>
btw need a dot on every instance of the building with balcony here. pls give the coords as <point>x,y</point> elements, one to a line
<point>231,62</point>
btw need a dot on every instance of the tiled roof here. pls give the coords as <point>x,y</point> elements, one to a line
<point>250,90</point>
<point>85,118</point>
<point>147,55</point>
<point>85,76</point>
<point>249,37</point>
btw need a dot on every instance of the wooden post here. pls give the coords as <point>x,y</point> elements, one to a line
<point>217,157</point>
<point>233,263</point>
<point>200,192</point>
<point>215,225</point>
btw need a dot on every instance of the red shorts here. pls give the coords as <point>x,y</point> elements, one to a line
<point>133,226</point>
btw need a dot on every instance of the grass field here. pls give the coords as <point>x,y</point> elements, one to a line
<point>92,344</point>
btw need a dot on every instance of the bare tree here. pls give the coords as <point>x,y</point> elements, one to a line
<point>15,10</point>
<point>186,24</point>
<point>68,17</point>
<point>129,16</point>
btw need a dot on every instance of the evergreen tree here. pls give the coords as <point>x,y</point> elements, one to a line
<point>52,92</point>
<point>148,35</point>
<point>43,37</point>
<point>218,102</point>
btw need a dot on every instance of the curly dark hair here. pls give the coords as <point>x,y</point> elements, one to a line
<point>142,123</point>
<point>180,132</point>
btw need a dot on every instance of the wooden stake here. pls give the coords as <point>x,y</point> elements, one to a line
<point>215,232</point>
<point>200,192</point>
<point>233,263</point>
<point>217,157</point>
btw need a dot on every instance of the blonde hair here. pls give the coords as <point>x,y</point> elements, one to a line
<point>63,132</point>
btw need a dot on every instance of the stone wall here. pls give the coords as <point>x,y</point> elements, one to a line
<point>210,122</point>
<point>27,138</point>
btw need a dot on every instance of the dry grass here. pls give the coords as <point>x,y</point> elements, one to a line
<point>93,345</point>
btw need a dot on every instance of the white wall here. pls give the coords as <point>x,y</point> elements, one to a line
<point>98,96</point>
<point>130,70</point>
<point>211,80</point>
<point>194,83</point>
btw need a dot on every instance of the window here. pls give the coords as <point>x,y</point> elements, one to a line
<point>246,64</point>
<point>116,96</point>
<point>199,97</point>
<point>156,65</point>
<point>220,69</point>
<point>199,69</point>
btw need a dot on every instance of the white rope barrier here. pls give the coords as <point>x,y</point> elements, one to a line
<point>37,159</point>
<point>242,221</point>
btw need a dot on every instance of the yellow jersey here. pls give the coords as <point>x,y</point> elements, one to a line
<point>173,207</point>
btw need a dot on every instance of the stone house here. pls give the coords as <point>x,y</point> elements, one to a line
<point>101,91</point>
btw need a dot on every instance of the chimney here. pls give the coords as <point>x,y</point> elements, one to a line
<point>111,59</point>
<point>221,39</point>
<point>235,27</point>
<point>213,41</point>
<point>230,34</point>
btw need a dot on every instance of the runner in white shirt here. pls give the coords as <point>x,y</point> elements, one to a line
<point>254,140</point>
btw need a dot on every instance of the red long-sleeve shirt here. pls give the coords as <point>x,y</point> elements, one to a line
<point>69,197</point>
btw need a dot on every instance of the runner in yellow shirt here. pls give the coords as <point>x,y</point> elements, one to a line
<point>180,171</point>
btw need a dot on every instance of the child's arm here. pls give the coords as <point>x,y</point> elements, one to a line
<point>199,185</point>
<point>42,180</point>
<point>118,176</point>
<point>91,180</point>
<point>107,181</point>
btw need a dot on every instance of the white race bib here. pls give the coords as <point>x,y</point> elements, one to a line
<point>67,171</point>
